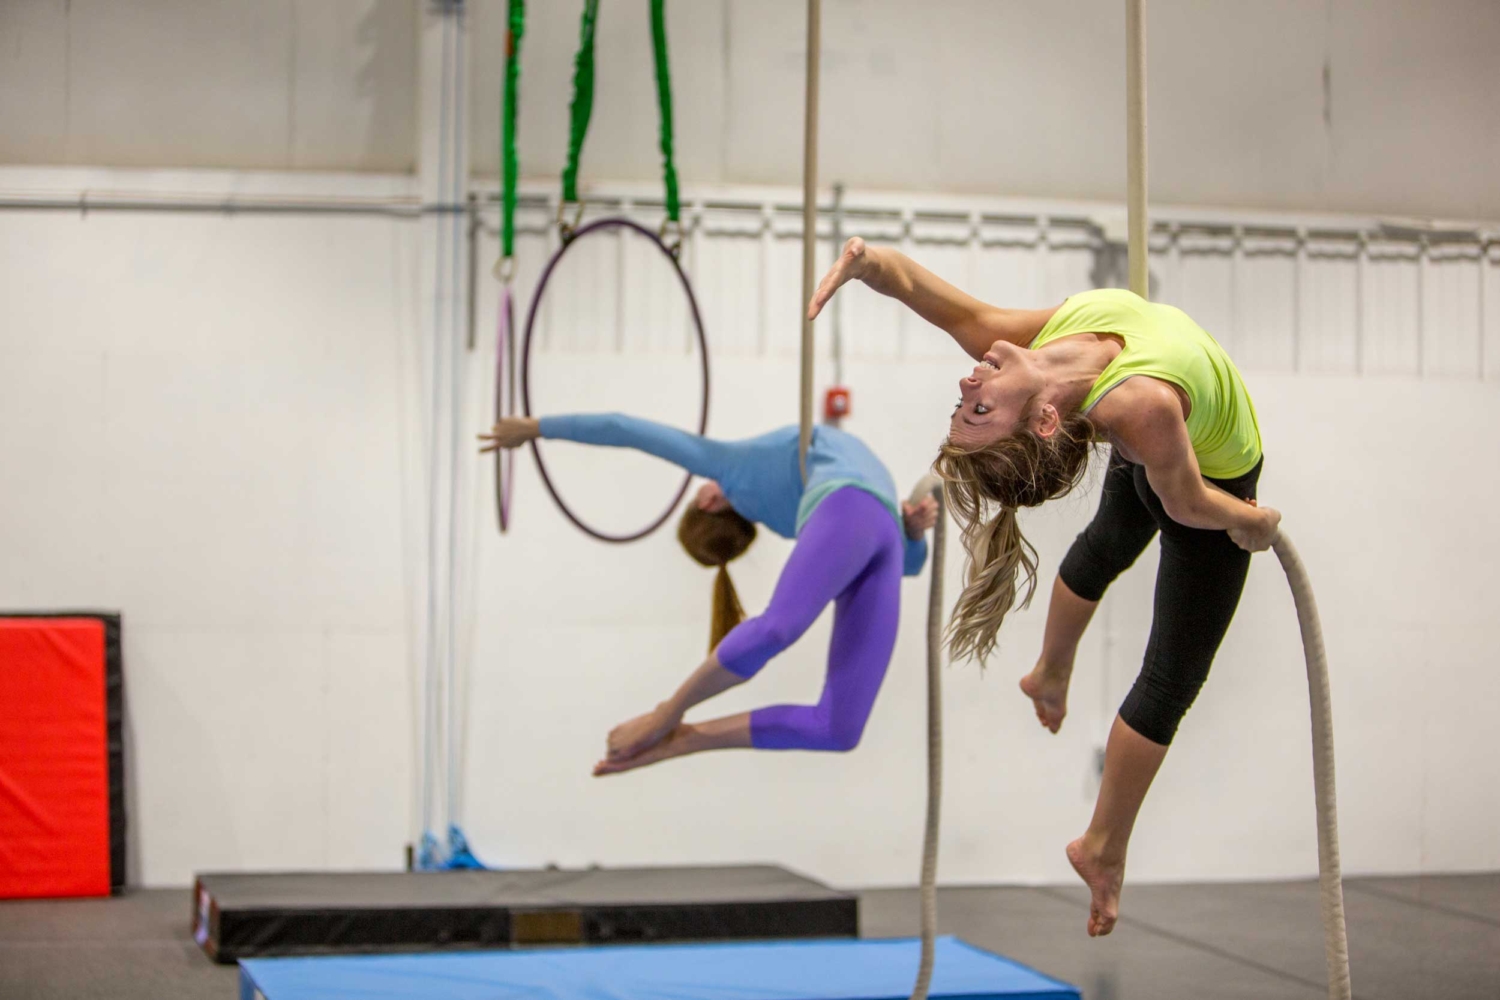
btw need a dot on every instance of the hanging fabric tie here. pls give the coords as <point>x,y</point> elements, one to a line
<point>581,109</point>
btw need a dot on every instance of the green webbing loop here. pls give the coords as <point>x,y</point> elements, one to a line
<point>509,165</point>
<point>583,99</point>
<point>583,106</point>
<point>664,100</point>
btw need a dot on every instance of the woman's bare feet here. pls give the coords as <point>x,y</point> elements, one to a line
<point>632,738</point>
<point>675,743</point>
<point>1047,687</point>
<point>1104,879</point>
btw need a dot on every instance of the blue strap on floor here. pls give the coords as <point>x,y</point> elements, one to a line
<point>781,970</point>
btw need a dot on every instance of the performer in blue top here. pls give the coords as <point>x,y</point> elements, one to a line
<point>854,541</point>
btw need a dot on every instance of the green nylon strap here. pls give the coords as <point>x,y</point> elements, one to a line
<point>583,98</point>
<point>664,100</point>
<point>509,164</point>
<point>583,102</point>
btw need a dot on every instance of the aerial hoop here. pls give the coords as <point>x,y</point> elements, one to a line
<point>505,402</point>
<point>601,225</point>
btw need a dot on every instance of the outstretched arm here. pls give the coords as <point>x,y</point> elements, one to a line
<point>699,455</point>
<point>975,325</point>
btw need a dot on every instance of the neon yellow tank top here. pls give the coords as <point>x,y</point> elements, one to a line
<point>1164,343</point>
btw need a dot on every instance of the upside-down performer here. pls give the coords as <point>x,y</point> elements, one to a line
<point>1109,366</point>
<point>854,542</point>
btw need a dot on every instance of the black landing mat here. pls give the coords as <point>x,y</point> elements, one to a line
<point>255,915</point>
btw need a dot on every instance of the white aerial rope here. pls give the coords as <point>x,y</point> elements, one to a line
<point>1330,879</point>
<point>931,485</point>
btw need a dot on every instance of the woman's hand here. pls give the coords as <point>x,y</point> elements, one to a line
<point>919,517</point>
<point>510,432</point>
<point>851,266</point>
<point>1257,534</point>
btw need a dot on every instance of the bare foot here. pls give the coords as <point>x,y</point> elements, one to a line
<point>674,744</point>
<point>639,734</point>
<point>1049,692</point>
<point>1104,881</point>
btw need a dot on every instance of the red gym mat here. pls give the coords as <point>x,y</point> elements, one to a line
<point>57,683</point>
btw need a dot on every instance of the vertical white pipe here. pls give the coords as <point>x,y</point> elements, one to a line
<point>436,56</point>
<point>1135,145</point>
<point>809,221</point>
<point>458,162</point>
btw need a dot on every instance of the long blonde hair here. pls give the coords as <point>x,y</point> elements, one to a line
<point>1023,470</point>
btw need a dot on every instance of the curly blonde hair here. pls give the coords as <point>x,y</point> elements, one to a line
<point>1022,470</point>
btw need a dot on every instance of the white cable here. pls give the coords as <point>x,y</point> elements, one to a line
<point>430,706</point>
<point>456,336</point>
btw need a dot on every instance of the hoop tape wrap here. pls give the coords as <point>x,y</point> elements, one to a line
<point>579,235</point>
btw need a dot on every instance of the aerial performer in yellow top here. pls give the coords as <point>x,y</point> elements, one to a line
<point>1104,366</point>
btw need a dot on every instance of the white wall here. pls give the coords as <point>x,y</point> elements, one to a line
<point>214,424</point>
<point>284,83</point>
<point>1342,105</point>
<point>201,422</point>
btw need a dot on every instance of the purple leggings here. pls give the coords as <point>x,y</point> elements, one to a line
<point>850,552</point>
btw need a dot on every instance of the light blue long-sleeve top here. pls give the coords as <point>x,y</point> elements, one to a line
<point>760,476</point>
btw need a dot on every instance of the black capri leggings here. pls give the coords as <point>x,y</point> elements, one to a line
<point>1198,586</point>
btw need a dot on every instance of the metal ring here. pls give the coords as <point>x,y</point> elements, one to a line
<point>565,229</point>
<point>673,226</point>
<point>531,315</point>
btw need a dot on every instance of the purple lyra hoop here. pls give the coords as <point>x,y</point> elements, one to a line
<point>505,404</point>
<point>602,225</point>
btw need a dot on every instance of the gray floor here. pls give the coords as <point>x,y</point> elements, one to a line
<point>1410,939</point>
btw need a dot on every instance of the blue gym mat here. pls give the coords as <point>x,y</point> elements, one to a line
<point>779,970</point>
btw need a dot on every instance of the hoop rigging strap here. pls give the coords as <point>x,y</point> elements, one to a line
<point>582,107</point>
<point>664,106</point>
<point>529,339</point>
<point>509,162</point>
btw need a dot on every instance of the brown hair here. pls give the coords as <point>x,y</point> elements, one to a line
<point>715,538</point>
<point>1023,470</point>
